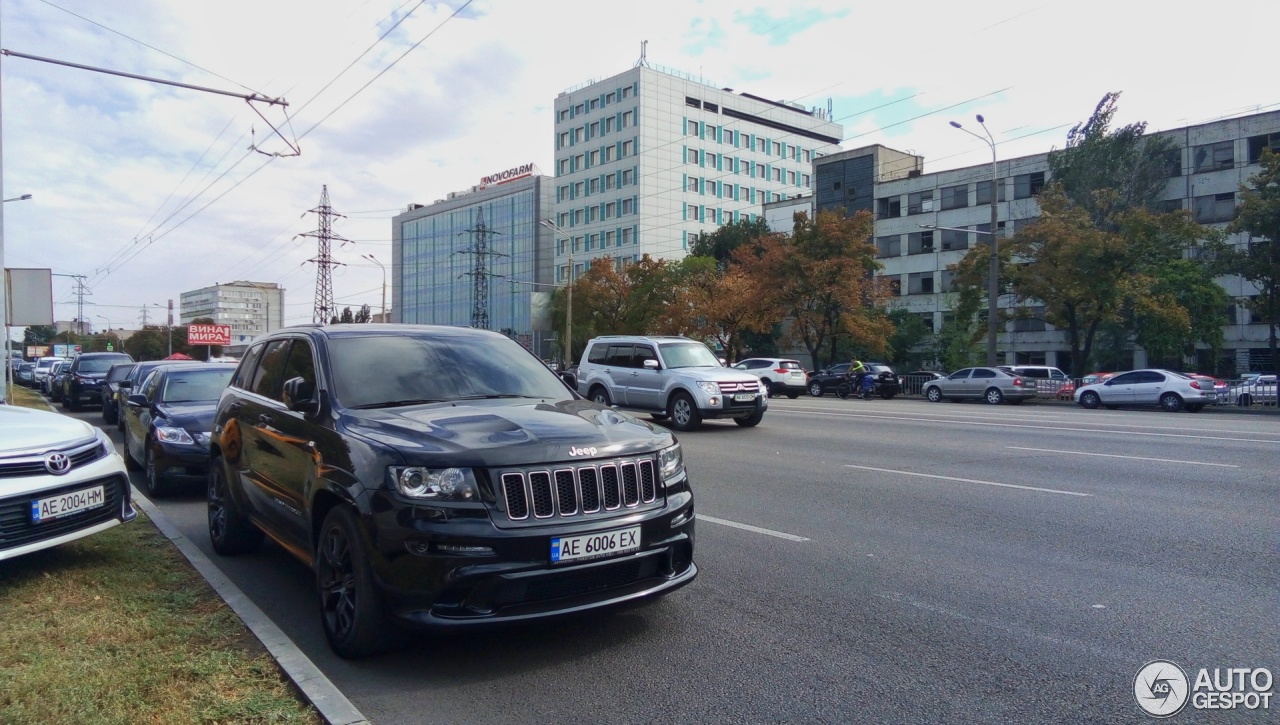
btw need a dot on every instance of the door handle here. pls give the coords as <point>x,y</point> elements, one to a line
<point>265,419</point>
<point>635,375</point>
<point>235,407</point>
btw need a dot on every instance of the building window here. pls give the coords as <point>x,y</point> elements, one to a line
<point>563,168</point>
<point>777,148</point>
<point>610,210</point>
<point>890,246</point>
<point>805,181</point>
<point>777,174</point>
<point>611,98</point>
<point>1026,186</point>
<point>920,283</point>
<point>694,184</point>
<point>593,130</point>
<point>593,158</point>
<point>593,185</point>
<point>955,197</point>
<point>628,206</point>
<point>1168,205</point>
<point>577,216</point>
<point>1215,156</point>
<point>712,132</point>
<point>564,139</point>
<point>691,156</point>
<point>1173,162</point>
<point>564,218</point>
<point>1265,141</point>
<point>713,188</point>
<point>711,107</point>
<point>888,207</point>
<point>953,239</point>
<point>1215,208</point>
<point>730,138</point>
<point>693,212</point>
<point>920,242</point>
<point>692,102</point>
<point>628,118</point>
<point>608,239</point>
<point>807,156</point>
<point>577,162</point>
<point>577,134</point>
<point>1032,322</point>
<point>626,91</point>
<point>608,153</point>
<point>691,127</point>
<point>920,202</point>
<point>628,148</point>
<point>578,189</point>
<point>564,114</point>
<point>626,236</point>
<point>948,284</point>
<point>593,104</point>
<point>608,124</point>
<point>791,178</point>
<point>759,144</point>
<point>593,213</point>
<point>627,175</point>
<point>984,192</point>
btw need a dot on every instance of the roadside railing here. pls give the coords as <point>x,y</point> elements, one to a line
<point>1252,392</point>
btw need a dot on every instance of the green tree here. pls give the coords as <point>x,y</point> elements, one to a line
<point>38,335</point>
<point>724,241</point>
<point>1258,261</point>
<point>365,315</point>
<point>149,343</point>
<point>1107,171</point>
<point>909,332</point>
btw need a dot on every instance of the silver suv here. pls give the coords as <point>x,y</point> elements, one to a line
<point>670,377</point>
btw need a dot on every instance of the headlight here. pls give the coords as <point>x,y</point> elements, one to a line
<point>449,484</point>
<point>709,388</point>
<point>670,462</point>
<point>173,435</point>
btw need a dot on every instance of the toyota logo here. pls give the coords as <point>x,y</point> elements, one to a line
<point>57,463</point>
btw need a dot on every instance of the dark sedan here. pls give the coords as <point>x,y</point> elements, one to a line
<point>135,377</point>
<point>110,388</point>
<point>167,422</point>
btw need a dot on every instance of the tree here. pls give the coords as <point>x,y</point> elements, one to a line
<point>634,301</point>
<point>1106,171</point>
<point>722,304</point>
<point>38,335</point>
<point>725,240</point>
<point>1259,261</point>
<point>364,316</point>
<point>822,278</point>
<point>909,331</point>
<point>149,343</point>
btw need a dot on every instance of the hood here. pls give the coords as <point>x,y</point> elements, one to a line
<point>193,417</point>
<point>505,432</point>
<point>726,375</point>
<point>26,428</point>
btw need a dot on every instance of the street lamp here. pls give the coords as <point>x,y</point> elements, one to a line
<point>24,197</point>
<point>369,257</point>
<point>568,315</point>
<point>993,283</point>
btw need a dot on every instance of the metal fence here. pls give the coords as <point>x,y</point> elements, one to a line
<point>1258,392</point>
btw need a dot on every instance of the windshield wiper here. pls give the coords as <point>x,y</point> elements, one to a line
<point>495,396</point>
<point>395,404</point>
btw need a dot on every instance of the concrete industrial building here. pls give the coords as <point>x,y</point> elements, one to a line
<point>432,265</point>
<point>250,308</point>
<point>1213,161</point>
<point>647,159</point>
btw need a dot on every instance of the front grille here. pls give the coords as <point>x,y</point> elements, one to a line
<point>579,490</point>
<point>746,387</point>
<point>559,585</point>
<point>16,528</point>
<point>32,464</point>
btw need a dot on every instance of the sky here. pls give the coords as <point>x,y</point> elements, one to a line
<point>150,190</point>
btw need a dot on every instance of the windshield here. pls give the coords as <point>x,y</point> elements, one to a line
<point>688,355</point>
<point>386,370</point>
<point>195,386</point>
<point>101,364</point>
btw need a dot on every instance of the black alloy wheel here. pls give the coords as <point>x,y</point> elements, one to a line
<point>229,530</point>
<point>129,461</point>
<point>683,412</point>
<point>815,389</point>
<point>155,484</point>
<point>350,608</point>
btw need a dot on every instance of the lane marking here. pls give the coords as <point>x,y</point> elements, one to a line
<point>1032,427</point>
<point>968,480</point>
<point>1077,416</point>
<point>749,527</point>
<point>1132,458</point>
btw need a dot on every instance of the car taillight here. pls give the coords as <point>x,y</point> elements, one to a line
<point>781,371</point>
<point>1017,381</point>
<point>1195,384</point>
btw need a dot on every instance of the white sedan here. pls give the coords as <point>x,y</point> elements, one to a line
<point>60,480</point>
<point>1165,388</point>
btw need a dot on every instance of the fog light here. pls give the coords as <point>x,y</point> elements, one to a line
<point>715,401</point>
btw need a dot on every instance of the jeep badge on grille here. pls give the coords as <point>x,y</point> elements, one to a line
<point>590,451</point>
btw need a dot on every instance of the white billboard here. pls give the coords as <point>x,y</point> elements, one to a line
<point>28,295</point>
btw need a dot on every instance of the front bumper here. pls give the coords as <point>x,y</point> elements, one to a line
<point>82,392</point>
<point>178,460</point>
<point>724,405</point>
<point>431,589</point>
<point>20,535</point>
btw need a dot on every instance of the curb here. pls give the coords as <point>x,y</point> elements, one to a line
<point>333,706</point>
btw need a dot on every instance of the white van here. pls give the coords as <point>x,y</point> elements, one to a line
<point>43,366</point>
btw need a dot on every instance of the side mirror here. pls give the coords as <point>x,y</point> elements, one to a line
<point>125,384</point>
<point>138,400</point>
<point>299,395</point>
<point>652,364</point>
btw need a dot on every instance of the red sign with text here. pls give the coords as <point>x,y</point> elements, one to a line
<point>208,334</point>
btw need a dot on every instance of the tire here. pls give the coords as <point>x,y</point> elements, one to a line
<point>108,414</point>
<point>792,396</point>
<point>229,529</point>
<point>73,404</point>
<point>1171,402</point>
<point>683,412</point>
<point>599,396</point>
<point>815,389</point>
<point>1195,407</point>
<point>993,396</point>
<point>771,389</point>
<point>151,475</point>
<point>1090,400</point>
<point>933,394</point>
<point>752,420</point>
<point>350,605</point>
<point>129,462</point>
<point>1245,400</point>
<point>843,391</point>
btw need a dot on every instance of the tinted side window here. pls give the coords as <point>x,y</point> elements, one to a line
<point>1057,374</point>
<point>597,354</point>
<point>840,369</point>
<point>266,379</point>
<point>244,373</point>
<point>1150,376</point>
<point>643,352</point>
<point>1032,372</point>
<point>619,356</point>
<point>960,374</point>
<point>300,363</point>
<point>150,384</point>
<point>984,373</point>
<point>1126,379</point>
<point>119,372</point>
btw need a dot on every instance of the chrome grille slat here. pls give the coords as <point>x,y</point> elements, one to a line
<point>32,464</point>
<point>574,490</point>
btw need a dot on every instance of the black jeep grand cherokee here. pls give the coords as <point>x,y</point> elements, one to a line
<point>442,478</point>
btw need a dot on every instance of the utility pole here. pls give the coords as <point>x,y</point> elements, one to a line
<point>322,311</point>
<point>480,273</point>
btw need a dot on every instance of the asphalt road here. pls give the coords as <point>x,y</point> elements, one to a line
<point>901,562</point>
